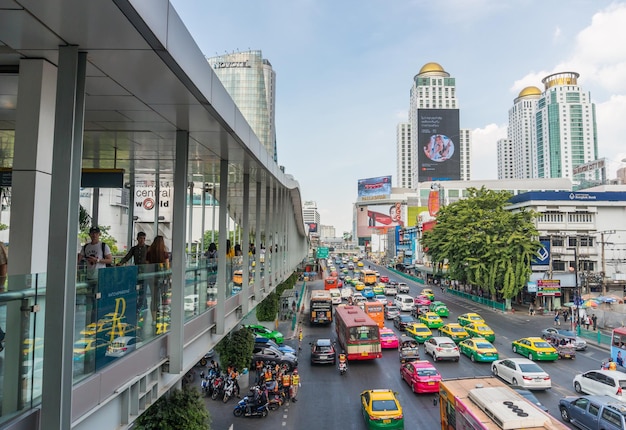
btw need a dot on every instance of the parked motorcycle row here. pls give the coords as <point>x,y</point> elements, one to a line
<point>269,395</point>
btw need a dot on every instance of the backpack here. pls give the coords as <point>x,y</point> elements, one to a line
<point>103,254</point>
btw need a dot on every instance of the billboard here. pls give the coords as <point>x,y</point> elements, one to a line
<point>374,188</point>
<point>380,217</point>
<point>438,145</point>
<point>312,227</point>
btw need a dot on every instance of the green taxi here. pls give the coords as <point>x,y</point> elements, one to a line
<point>431,319</point>
<point>535,348</point>
<point>480,330</point>
<point>439,308</point>
<point>479,349</point>
<point>428,293</point>
<point>379,289</point>
<point>418,331</point>
<point>469,318</point>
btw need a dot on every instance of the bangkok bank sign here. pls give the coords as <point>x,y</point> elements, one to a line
<point>150,203</point>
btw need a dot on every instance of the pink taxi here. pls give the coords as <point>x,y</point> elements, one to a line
<point>388,338</point>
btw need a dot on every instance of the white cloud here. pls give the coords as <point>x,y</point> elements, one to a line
<point>557,33</point>
<point>485,152</point>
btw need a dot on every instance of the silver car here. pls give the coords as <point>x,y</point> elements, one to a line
<point>391,311</point>
<point>442,347</point>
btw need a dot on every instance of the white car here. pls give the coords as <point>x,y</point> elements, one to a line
<point>602,382</point>
<point>191,302</point>
<point>121,346</point>
<point>391,290</point>
<point>381,298</point>
<point>346,293</point>
<point>522,372</point>
<point>442,347</point>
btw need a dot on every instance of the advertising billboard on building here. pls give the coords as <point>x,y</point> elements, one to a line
<point>374,188</point>
<point>438,146</point>
<point>380,217</point>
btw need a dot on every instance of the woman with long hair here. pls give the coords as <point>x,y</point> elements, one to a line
<point>159,257</point>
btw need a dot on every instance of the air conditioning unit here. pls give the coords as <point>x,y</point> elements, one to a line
<point>507,409</point>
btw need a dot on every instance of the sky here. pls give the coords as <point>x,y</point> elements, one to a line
<point>344,71</point>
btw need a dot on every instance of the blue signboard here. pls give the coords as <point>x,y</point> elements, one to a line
<point>543,255</point>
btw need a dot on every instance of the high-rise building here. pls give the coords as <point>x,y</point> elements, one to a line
<point>550,133</point>
<point>440,150</point>
<point>519,154</point>
<point>311,217</point>
<point>404,156</point>
<point>251,82</point>
<point>566,129</point>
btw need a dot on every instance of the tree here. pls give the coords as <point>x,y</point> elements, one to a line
<point>181,409</point>
<point>484,244</point>
<point>236,349</point>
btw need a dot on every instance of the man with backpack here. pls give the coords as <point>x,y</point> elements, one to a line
<point>97,254</point>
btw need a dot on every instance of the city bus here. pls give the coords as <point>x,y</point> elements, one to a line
<point>618,345</point>
<point>487,403</point>
<point>330,282</point>
<point>368,277</point>
<point>376,311</point>
<point>357,333</point>
<point>321,307</point>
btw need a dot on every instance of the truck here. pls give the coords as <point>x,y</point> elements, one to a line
<point>593,412</point>
<point>403,288</point>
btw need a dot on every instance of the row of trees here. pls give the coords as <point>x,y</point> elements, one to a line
<point>484,244</point>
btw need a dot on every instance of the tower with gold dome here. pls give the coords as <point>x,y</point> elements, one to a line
<point>551,133</point>
<point>433,123</point>
<point>517,153</point>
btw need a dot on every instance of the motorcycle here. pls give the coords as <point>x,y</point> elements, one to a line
<point>243,409</point>
<point>343,364</point>
<point>229,389</point>
<point>217,387</point>
<point>275,396</point>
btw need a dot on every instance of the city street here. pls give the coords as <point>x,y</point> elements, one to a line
<point>327,400</point>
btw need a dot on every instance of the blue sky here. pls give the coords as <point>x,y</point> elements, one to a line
<point>344,71</point>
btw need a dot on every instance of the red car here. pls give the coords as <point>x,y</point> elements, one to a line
<point>384,278</point>
<point>422,301</point>
<point>388,338</point>
<point>421,376</point>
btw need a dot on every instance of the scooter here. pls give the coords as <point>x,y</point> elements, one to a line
<point>217,387</point>
<point>275,396</point>
<point>343,364</point>
<point>243,409</point>
<point>229,389</point>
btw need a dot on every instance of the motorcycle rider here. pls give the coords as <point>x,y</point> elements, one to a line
<point>258,399</point>
<point>343,362</point>
<point>234,375</point>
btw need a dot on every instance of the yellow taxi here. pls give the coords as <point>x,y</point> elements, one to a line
<point>359,264</point>
<point>428,293</point>
<point>431,319</point>
<point>535,348</point>
<point>479,349</point>
<point>469,318</point>
<point>359,286</point>
<point>454,331</point>
<point>480,330</point>
<point>418,331</point>
<point>85,348</point>
<point>381,409</point>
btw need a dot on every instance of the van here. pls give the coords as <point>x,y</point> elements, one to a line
<point>335,296</point>
<point>404,302</point>
<point>403,288</point>
<point>601,382</point>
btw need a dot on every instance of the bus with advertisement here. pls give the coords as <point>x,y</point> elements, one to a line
<point>618,345</point>
<point>321,307</point>
<point>357,333</point>
<point>330,282</point>
<point>487,403</point>
<point>368,277</point>
<point>376,311</point>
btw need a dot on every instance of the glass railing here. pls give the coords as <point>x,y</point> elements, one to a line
<point>115,313</point>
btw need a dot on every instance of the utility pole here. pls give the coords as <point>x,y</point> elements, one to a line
<point>603,258</point>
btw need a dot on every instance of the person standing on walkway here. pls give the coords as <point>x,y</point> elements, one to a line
<point>159,257</point>
<point>594,320</point>
<point>286,382</point>
<point>587,321</point>
<point>557,320</point>
<point>300,336</point>
<point>138,253</point>
<point>531,310</point>
<point>97,255</point>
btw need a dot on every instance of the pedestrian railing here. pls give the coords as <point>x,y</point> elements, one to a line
<point>482,300</point>
<point>407,276</point>
<point>596,336</point>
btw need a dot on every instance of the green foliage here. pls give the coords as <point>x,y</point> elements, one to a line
<point>3,226</point>
<point>268,309</point>
<point>181,409</point>
<point>236,349</point>
<point>484,244</point>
